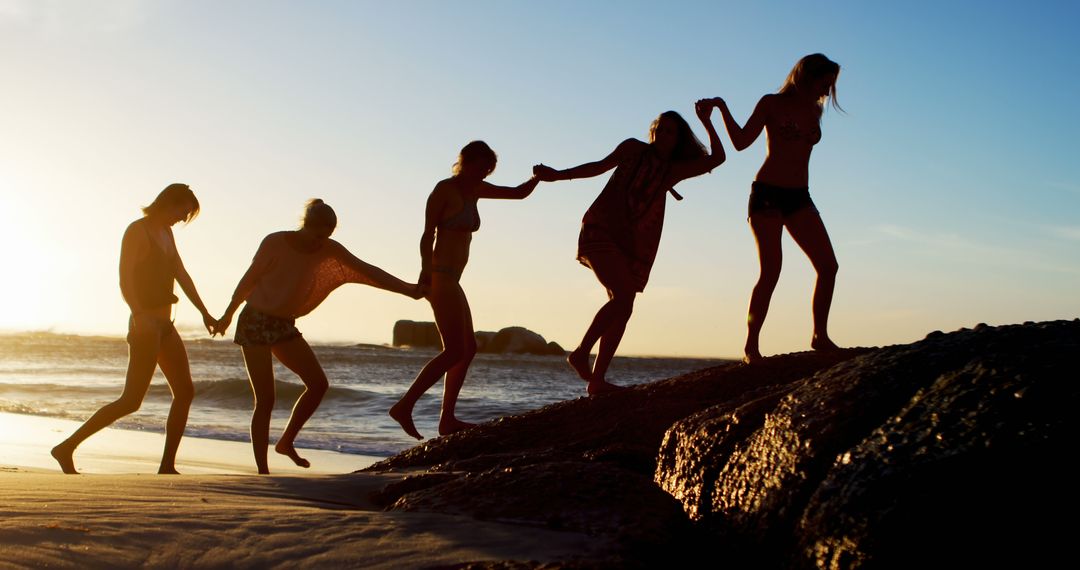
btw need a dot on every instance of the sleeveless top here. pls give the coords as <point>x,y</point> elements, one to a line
<point>294,282</point>
<point>154,276</point>
<point>629,213</point>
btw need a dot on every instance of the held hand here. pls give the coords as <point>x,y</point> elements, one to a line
<point>423,290</point>
<point>703,108</point>
<point>544,173</point>
<point>418,291</point>
<point>210,324</point>
<point>223,324</point>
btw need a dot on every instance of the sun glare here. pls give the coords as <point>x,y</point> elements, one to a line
<point>20,289</point>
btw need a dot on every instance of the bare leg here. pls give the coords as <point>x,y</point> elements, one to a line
<point>142,360</point>
<point>767,228</point>
<point>807,229</point>
<point>608,326</point>
<point>260,369</point>
<point>173,360</point>
<point>445,298</point>
<point>579,357</point>
<point>455,377</point>
<point>297,356</point>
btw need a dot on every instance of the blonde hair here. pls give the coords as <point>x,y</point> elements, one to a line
<point>172,195</point>
<point>810,69</point>
<point>476,152</point>
<point>687,145</point>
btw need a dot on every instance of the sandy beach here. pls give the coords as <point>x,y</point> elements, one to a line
<point>220,514</point>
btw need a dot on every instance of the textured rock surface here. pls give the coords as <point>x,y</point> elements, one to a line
<point>954,451</point>
<point>903,456</point>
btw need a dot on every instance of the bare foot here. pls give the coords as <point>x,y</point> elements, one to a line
<point>404,418</point>
<point>167,470</point>
<point>823,343</point>
<point>579,361</point>
<point>63,456</point>
<point>289,451</point>
<point>603,387</point>
<point>752,357</point>
<point>453,425</point>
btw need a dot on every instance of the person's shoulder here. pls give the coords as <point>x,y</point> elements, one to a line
<point>630,147</point>
<point>136,230</point>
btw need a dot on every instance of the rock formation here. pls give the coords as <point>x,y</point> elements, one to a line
<point>510,340</point>
<point>949,451</point>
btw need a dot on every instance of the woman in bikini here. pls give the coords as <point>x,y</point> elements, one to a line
<point>291,274</point>
<point>780,196</point>
<point>149,265</point>
<point>620,232</point>
<point>451,218</point>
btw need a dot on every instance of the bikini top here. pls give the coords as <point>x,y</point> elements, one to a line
<point>154,276</point>
<point>466,220</point>
<point>790,130</point>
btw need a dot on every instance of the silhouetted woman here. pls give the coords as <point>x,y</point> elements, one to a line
<point>291,274</point>
<point>780,195</point>
<point>149,265</point>
<point>620,232</point>
<point>450,219</point>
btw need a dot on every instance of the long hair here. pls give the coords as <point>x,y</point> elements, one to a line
<point>478,153</point>
<point>687,145</point>
<point>172,195</point>
<point>810,69</point>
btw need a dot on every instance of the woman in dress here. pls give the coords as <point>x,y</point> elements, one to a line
<point>780,195</point>
<point>291,274</point>
<point>451,218</point>
<point>149,265</point>
<point>620,232</point>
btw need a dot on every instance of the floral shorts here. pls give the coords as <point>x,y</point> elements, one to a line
<point>260,329</point>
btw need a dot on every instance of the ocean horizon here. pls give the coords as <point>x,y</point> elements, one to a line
<point>70,376</point>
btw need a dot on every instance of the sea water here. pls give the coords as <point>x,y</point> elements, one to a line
<point>70,376</point>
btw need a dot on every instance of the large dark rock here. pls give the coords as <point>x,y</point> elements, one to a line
<point>952,451</point>
<point>416,334</point>
<point>945,451</point>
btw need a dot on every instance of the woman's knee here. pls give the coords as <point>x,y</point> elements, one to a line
<point>827,268</point>
<point>183,394</point>
<point>317,385</point>
<point>623,302</point>
<point>126,406</point>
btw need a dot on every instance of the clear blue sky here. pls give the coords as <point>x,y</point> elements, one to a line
<point>950,186</point>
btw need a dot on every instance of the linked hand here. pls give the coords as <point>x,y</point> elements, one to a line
<point>544,173</point>
<point>221,325</point>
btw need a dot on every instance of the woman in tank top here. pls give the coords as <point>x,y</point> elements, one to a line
<point>291,274</point>
<point>149,265</point>
<point>450,220</point>
<point>620,233</point>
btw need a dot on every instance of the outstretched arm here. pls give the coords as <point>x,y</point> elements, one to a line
<point>547,174</point>
<point>690,168</point>
<point>188,286</point>
<point>247,284</point>
<point>375,276</point>
<point>519,192</point>
<point>743,137</point>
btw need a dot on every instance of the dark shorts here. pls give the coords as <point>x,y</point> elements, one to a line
<point>786,201</point>
<point>158,330</point>
<point>254,328</point>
